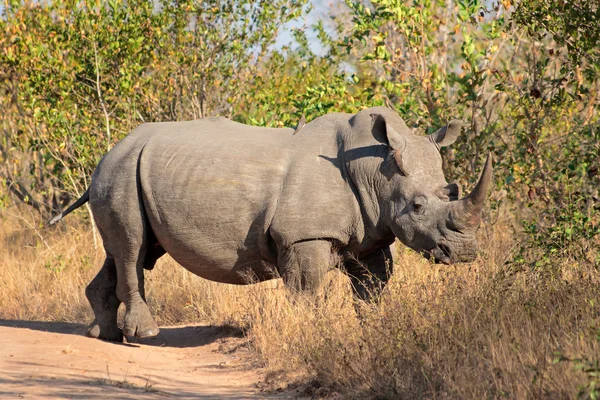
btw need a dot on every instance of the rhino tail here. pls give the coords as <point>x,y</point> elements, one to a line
<point>80,201</point>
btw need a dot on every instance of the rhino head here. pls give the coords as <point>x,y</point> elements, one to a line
<point>422,209</point>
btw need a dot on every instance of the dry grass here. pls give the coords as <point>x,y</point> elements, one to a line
<point>476,331</point>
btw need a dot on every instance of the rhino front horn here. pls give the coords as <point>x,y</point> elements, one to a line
<point>470,206</point>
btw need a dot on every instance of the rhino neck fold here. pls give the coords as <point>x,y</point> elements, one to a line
<point>376,229</point>
<point>363,168</point>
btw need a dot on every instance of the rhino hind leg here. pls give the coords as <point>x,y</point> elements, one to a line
<point>126,233</point>
<point>101,293</point>
<point>138,320</point>
<point>303,265</point>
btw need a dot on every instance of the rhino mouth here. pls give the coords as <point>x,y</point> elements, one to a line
<point>442,254</point>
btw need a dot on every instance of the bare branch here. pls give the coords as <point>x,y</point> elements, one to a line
<point>99,91</point>
<point>23,194</point>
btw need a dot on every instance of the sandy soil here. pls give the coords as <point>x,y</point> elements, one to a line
<point>56,360</point>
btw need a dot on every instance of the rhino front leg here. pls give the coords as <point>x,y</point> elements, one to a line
<point>101,293</point>
<point>303,265</point>
<point>370,274</point>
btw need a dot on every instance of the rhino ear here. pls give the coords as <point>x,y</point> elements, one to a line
<point>448,134</point>
<point>396,141</point>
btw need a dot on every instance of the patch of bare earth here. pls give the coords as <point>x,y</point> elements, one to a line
<point>56,360</point>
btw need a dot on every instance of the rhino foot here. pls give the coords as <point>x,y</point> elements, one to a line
<point>113,334</point>
<point>139,321</point>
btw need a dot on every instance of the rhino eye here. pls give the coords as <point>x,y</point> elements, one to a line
<point>418,205</point>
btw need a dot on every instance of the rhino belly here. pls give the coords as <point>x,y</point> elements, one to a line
<point>212,215</point>
<point>211,257</point>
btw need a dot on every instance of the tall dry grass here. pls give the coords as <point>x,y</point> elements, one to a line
<point>484,330</point>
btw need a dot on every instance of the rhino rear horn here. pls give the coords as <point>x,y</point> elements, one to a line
<point>470,206</point>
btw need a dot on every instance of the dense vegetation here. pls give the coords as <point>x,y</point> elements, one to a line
<point>76,76</point>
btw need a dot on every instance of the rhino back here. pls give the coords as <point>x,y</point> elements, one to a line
<point>223,197</point>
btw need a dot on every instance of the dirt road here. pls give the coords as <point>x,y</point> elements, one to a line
<point>56,360</point>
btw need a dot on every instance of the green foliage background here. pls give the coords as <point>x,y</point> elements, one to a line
<point>76,76</point>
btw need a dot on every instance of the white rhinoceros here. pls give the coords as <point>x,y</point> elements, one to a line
<point>228,201</point>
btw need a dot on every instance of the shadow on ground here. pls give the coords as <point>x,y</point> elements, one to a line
<point>176,336</point>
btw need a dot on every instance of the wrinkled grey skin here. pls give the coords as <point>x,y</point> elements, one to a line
<point>234,204</point>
